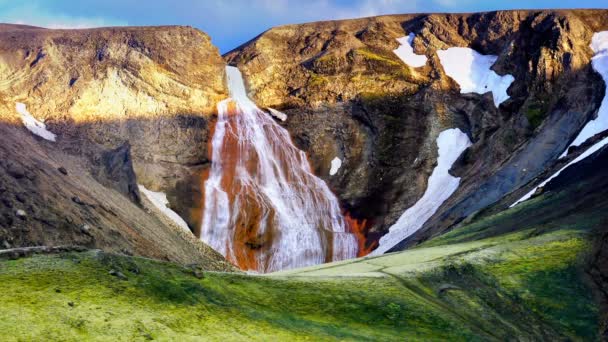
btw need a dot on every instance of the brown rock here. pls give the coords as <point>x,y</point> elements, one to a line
<point>346,94</point>
<point>155,87</point>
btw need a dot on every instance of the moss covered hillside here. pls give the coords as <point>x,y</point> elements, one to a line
<point>500,277</point>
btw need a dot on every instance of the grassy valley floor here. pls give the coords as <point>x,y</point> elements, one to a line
<point>479,282</point>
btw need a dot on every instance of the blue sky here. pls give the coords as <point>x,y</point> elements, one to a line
<point>233,22</point>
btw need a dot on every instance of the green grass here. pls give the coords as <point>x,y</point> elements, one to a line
<point>372,56</point>
<point>387,67</point>
<point>317,80</point>
<point>164,301</point>
<point>514,274</point>
<point>509,285</point>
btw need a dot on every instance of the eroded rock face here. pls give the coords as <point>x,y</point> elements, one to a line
<point>153,87</point>
<point>116,171</point>
<point>346,94</point>
<point>52,198</point>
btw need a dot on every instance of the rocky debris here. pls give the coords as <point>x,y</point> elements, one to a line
<point>133,269</point>
<point>85,229</point>
<point>118,274</point>
<point>196,270</point>
<point>78,210</point>
<point>15,170</point>
<point>78,201</point>
<point>539,191</point>
<point>22,252</point>
<point>62,170</point>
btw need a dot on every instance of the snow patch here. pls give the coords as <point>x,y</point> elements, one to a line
<point>405,52</point>
<point>279,115</point>
<point>471,70</point>
<point>584,155</point>
<point>336,163</point>
<point>441,185</point>
<point>159,199</point>
<point>599,44</point>
<point>33,125</point>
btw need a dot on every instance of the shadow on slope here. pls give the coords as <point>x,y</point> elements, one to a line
<point>90,198</point>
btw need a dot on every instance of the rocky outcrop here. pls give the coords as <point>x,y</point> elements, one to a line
<point>52,198</point>
<point>153,87</point>
<point>128,106</point>
<point>116,171</point>
<point>347,94</point>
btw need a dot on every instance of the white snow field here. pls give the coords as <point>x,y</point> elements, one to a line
<point>33,125</point>
<point>471,70</point>
<point>159,199</point>
<point>599,45</point>
<point>405,52</point>
<point>441,185</point>
<point>336,163</point>
<point>586,154</point>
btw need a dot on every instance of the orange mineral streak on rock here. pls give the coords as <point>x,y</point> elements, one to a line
<point>246,240</point>
<point>359,228</point>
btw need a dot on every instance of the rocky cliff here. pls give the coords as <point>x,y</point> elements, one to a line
<point>155,87</point>
<point>348,95</point>
<point>124,106</point>
<point>150,93</point>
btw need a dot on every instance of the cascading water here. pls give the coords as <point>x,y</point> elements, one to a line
<point>264,208</point>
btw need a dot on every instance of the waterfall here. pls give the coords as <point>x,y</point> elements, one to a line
<point>264,209</point>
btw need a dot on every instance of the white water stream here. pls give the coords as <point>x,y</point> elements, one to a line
<point>264,208</point>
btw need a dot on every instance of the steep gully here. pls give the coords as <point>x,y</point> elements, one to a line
<point>599,44</point>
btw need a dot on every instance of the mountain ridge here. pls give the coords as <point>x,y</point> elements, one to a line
<point>344,75</point>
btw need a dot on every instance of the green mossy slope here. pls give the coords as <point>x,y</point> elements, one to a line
<point>518,274</point>
<point>527,284</point>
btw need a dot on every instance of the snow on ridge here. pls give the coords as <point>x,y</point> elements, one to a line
<point>32,124</point>
<point>336,163</point>
<point>405,52</point>
<point>441,185</point>
<point>159,199</point>
<point>599,44</point>
<point>472,71</point>
<point>584,155</point>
